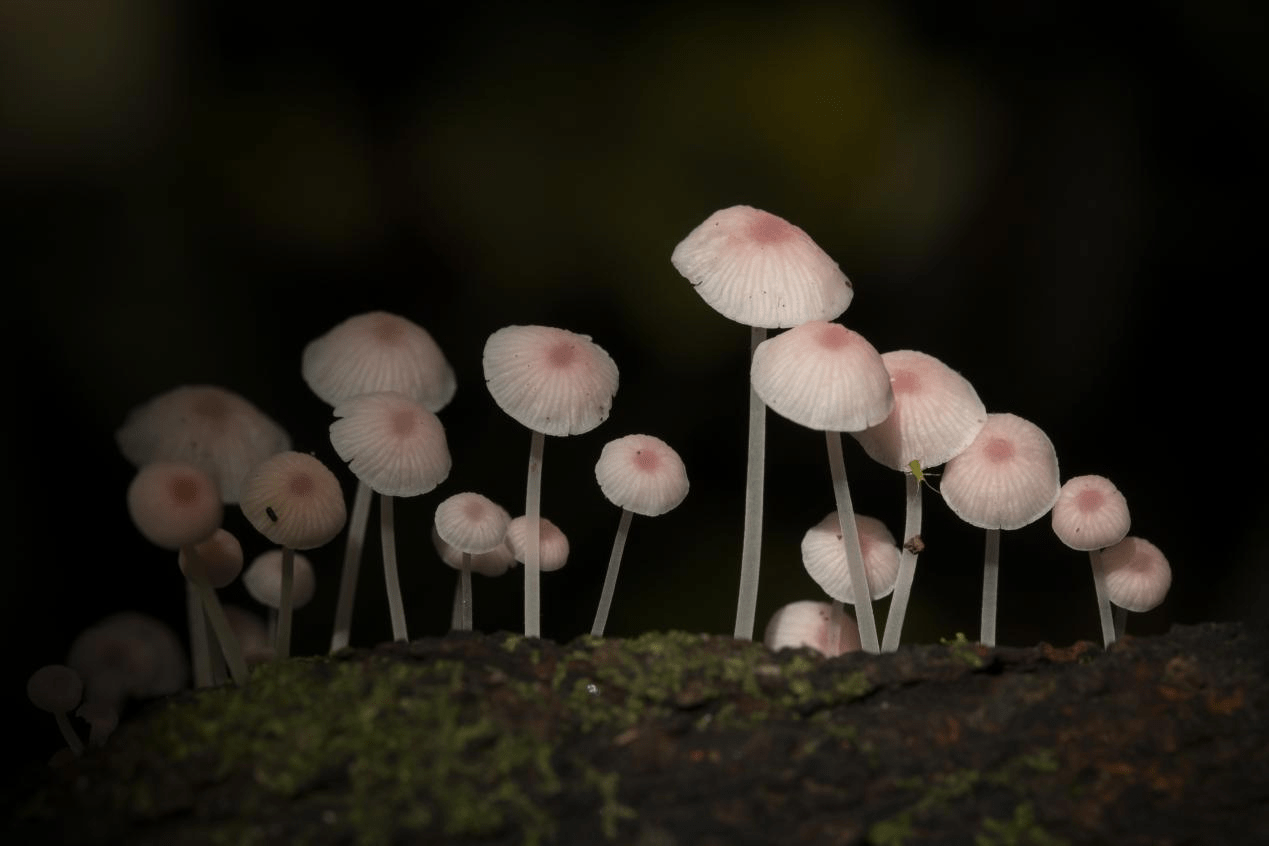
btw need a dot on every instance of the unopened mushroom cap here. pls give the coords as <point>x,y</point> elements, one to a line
<point>1090,513</point>
<point>210,427</point>
<point>824,556</point>
<point>809,623</point>
<point>174,503</point>
<point>760,270</point>
<point>471,522</point>
<point>218,558</point>
<point>823,376</point>
<point>1006,479</point>
<point>263,579</point>
<point>553,553</point>
<point>1137,574</point>
<point>493,563</point>
<point>378,351</point>
<point>294,500</point>
<point>550,380</point>
<point>55,688</point>
<point>392,443</point>
<point>936,415</point>
<point>642,474</point>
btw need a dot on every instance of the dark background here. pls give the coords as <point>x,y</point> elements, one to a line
<point>1064,206</point>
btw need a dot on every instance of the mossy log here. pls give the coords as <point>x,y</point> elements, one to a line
<point>690,739</point>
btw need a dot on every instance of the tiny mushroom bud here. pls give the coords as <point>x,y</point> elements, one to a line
<point>58,689</point>
<point>823,626</point>
<point>1089,515</point>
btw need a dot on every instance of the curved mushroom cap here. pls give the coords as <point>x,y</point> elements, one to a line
<point>760,270</point>
<point>554,544</point>
<point>642,474</point>
<point>1137,574</point>
<point>218,558</point>
<point>823,376</point>
<point>128,655</point>
<point>55,688</point>
<point>1006,479</point>
<point>493,563</point>
<point>204,425</point>
<point>263,579</point>
<point>378,351</point>
<point>937,413</point>
<point>550,380</point>
<point>174,504</point>
<point>1090,513</point>
<point>294,500</point>
<point>809,623</point>
<point>471,523</point>
<point>824,556</point>
<point>392,443</point>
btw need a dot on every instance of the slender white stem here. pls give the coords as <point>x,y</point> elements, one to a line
<point>991,576</point>
<point>352,566</point>
<point>220,625</point>
<point>282,643</point>
<point>850,537</point>
<point>835,619</point>
<point>533,543</point>
<point>1121,621</point>
<point>1103,603</point>
<point>456,608</point>
<point>387,531</point>
<point>755,472</point>
<point>907,567</point>
<point>199,645</point>
<point>464,594</point>
<point>68,733</point>
<point>610,579</point>
<point>219,672</point>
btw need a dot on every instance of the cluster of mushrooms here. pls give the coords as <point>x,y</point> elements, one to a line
<point>198,449</point>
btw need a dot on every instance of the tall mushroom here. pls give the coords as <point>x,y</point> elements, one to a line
<point>761,271</point>
<point>1091,514</point>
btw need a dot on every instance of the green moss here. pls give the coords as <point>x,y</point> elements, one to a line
<point>963,649</point>
<point>611,811</point>
<point>1021,830</point>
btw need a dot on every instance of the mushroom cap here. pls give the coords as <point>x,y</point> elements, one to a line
<point>936,415</point>
<point>378,351</point>
<point>809,623</point>
<point>553,553</point>
<point>174,503</point>
<point>823,376</point>
<point>252,633</point>
<point>1090,513</point>
<point>1137,574</point>
<point>301,494</point>
<point>55,688</point>
<point>760,270</point>
<point>1006,479</point>
<point>550,380</point>
<point>204,425</point>
<point>218,558</point>
<point>493,563</point>
<point>263,579</point>
<point>128,655</point>
<point>471,523</point>
<point>642,474</point>
<point>824,556</point>
<point>393,444</point>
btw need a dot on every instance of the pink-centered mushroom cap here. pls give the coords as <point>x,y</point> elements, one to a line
<point>471,523</point>
<point>550,380</point>
<point>936,415</point>
<point>823,376</point>
<point>218,559</point>
<point>393,444</point>
<point>1137,574</point>
<point>554,552</point>
<point>294,500</point>
<point>824,556</point>
<point>809,623</point>
<point>204,425</point>
<point>760,270</point>
<point>378,351</point>
<point>263,579</point>
<point>493,563</point>
<point>1090,513</point>
<point>128,655</point>
<point>174,504</point>
<point>642,474</point>
<point>1006,479</point>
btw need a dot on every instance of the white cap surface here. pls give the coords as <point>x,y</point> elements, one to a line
<point>1006,479</point>
<point>642,474</point>
<point>294,500</point>
<point>392,443</point>
<point>824,556</point>
<point>1090,513</point>
<point>1137,574</point>
<point>263,579</point>
<point>471,522</point>
<point>554,544</point>
<point>174,503</point>
<point>819,625</point>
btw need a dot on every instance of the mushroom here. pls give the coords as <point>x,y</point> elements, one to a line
<point>1006,479</point>
<point>937,414</point>
<point>824,556</point>
<point>368,353</point>
<point>263,581</point>
<point>1091,514</point>
<point>640,474</point>
<point>493,563</point>
<point>552,540</point>
<point>553,382</point>
<point>253,634</point>
<point>471,524</point>
<point>823,626</point>
<point>102,721</point>
<point>1137,578</point>
<point>396,447</point>
<point>128,655</point>
<point>824,376</point>
<point>219,560</point>
<point>57,689</point>
<point>761,271</point>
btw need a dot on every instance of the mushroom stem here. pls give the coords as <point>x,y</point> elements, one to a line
<point>387,531</point>
<point>464,594</point>
<point>907,567</point>
<point>199,645</point>
<point>68,733</point>
<point>533,541</point>
<point>834,644</point>
<point>220,625</point>
<point>751,546</point>
<point>610,579</point>
<point>850,537</point>
<point>1121,621</point>
<point>1103,602</point>
<point>282,643</point>
<point>991,575</point>
<point>352,566</point>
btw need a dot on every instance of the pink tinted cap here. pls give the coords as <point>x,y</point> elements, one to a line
<point>1006,479</point>
<point>1090,513</point>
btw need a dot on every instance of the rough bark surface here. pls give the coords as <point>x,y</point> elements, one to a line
<point>690,739</point>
